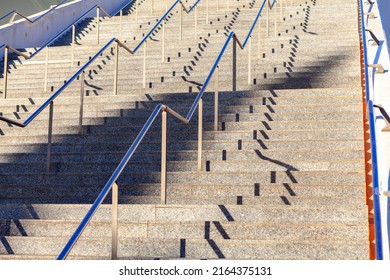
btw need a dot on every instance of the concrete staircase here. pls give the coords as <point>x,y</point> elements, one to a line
<point>282,178</point>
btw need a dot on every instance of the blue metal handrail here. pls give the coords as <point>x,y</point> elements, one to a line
<point>58,35</point>
<point>119,169</point>
<point>374,163</point>
<point>52,40</point>
<point>163,18</point>
<point>58,92</point>
<point>71,79</point>
<point>36,19</point>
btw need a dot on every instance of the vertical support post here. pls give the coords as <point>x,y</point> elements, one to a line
<point>116,62</point>
<point>151,7</point>
<point>163,42</point>
<point>200,134</point>
<point>46,68</point>
<point>98,24</point>
<point>228,4</point>
<point>144,68</point>
<point>120,24</point>
<point>5,73</point>
<point>73,42</point>
<point>234,82</point>
<point>181,23</point>
<point>114,222</point>
<point>164,157</point>
<point>216,102</point>
<point>82,78</point>
<point>49,137</point>
<point>249,60</point>
<point>291,3</point>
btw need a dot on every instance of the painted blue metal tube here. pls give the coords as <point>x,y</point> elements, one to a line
<point>273,3</point>
<point>52,40</point>
<point>61,89</point>
<point>122,7</point>
<point>155,26</point>
<point>63,31</point>
<point>51,98</point>
<point>375,184</point>
<point>114,177</point>
<point>55,7</point>
<point>375,176</point>
<point>69,245</point>
<point>41,16</point>
<point>193,7</point>
<point>205,84</point>
<point>254,24</point>
<point>159,22</point>
<point>6,15</point>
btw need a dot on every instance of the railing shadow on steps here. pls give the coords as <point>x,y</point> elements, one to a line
<point>8,48</point>
<point>111,184</point>
<point>80,74</point>
<point>374,158</point>
<point>15,13</point>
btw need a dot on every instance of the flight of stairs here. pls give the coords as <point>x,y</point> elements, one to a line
<point>282,178</point>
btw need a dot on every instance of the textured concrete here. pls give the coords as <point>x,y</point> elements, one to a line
<point>282,178</point>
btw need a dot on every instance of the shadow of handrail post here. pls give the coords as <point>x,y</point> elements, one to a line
<point>7,47</point>
<point>197,104</point>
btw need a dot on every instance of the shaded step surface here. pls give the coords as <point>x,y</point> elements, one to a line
<point>282,178</point>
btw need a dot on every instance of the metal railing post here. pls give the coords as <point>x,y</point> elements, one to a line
<point>73,42</point>
<point>82,78</point>
<point>49,137</point>
<point>116,62</point>
<point>114,222</point>
<point>234,68</point>
<point>249,60</point>
<point>144,68</point>
<point>46,68</point>
<point>164,158</point>
<point>216,102</point>
<point>200,134</point>
<point>5,73</point>
<point>97,24</point>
